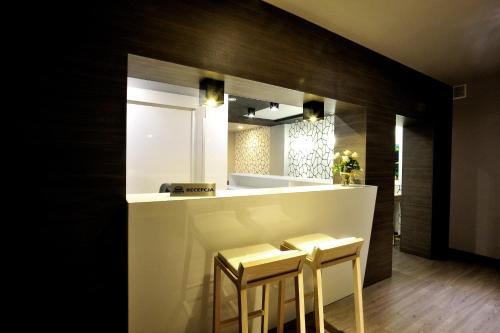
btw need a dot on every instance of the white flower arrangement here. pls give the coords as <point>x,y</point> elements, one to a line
<point>346,163</point>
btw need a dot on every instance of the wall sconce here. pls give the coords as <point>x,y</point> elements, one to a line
<point>250,113</point>
<point>274,106</point>
<point>314,111</point>
<point>211,92</point>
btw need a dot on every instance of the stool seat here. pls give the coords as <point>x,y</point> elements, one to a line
<point>309,242</point>
<point>234,257</point>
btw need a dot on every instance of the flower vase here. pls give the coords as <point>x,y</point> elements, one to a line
<point>345,178</point>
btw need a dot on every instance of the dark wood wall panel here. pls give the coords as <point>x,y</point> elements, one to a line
<point>441,120</point>
<point>416,202</point>
<point>244,37</point>
<point>380,140</point>
<point>75,142</point>
<point>227,38</point>
<point>77,129</point>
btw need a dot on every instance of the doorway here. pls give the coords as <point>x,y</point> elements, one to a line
<point>398,175</point>
<point>413,186</point>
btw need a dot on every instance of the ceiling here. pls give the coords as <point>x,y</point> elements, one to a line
<point>286,114</point>
<point>452,41</point>
<point>238,109</point>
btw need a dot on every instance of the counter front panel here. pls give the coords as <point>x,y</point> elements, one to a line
<point>172,242</point>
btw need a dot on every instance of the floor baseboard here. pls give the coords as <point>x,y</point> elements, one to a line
<point>472,257</point>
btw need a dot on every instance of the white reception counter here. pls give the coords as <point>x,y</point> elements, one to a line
<point>172,242</point>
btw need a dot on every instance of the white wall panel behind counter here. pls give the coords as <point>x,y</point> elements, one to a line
<point>158,147</point>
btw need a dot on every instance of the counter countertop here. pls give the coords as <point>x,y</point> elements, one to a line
<point>155,197</point>
<point>285,178</point>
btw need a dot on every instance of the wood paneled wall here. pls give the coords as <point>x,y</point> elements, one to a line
<point>416,202</point>
<point>77,129</point>
<point>380,138</point>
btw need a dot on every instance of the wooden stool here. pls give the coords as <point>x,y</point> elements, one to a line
<point>252,266</point>
<point>324,251</point>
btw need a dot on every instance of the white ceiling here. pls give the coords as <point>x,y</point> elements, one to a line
<point>451,40</point>
<point>283,112</point>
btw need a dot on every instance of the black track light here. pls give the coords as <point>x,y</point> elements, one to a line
<point>251,112</point>
<point>211,92</point>
<point>314,111</point>
<point>274,106</point>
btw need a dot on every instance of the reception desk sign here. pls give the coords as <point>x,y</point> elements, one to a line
<point>193,190</point>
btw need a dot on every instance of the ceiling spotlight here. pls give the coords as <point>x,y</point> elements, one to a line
<point>232,99</point>
<point>211,92</point>
<point>313,111</point>
<point>274,106</point>
<point>251,113</point>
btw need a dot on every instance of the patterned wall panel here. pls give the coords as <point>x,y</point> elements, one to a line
<point>252,151</point>
<point>310,149</point>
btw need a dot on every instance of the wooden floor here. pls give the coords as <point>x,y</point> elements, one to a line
<point>423,296</point>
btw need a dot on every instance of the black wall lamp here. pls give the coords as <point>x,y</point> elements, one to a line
<point>211,92</point>
<point>274,106</point>
<point>314,111</point>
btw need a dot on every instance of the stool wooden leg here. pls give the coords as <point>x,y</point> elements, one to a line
<point>205,294</point>
<point>358,296</point>
<point>216,309</point>
<point>318,301</point>
<point>281,307</point>
<point>264,327</point>
<point>299,303</point>
<point>243,310</point>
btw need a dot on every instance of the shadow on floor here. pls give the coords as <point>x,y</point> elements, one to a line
<point>290,326</point>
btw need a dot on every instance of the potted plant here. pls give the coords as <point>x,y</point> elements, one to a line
<point>346,165</point>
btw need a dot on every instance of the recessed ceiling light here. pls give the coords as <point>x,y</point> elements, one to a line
<point>250,113</point>
<point>232,99</point>
<point>274,106</point>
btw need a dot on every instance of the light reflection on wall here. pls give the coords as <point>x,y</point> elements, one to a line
<point>310,151</point>
<point>302,144</point>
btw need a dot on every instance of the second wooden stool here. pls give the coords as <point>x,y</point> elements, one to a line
<point>324,251</point>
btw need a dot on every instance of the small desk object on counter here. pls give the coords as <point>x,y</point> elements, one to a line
<point>172,241</point>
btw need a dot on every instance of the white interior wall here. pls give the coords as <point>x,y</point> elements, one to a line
<point>230,153</point>
<point>162,145</point>
<point>277,155</point>
<point>475,170</point>
<point>215,129</point>
<point>158,147</point>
